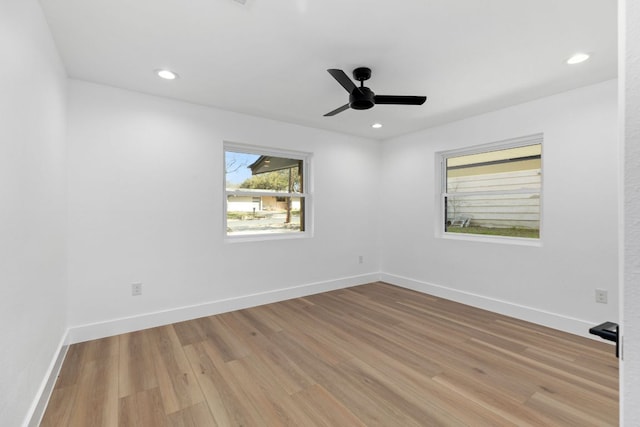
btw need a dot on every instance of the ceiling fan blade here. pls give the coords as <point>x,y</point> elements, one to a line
<point>343,79</point>
<point>337,110</point>
<point>399,100</point>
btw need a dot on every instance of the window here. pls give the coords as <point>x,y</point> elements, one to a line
<point>493,189</point>
<point>265,192</point>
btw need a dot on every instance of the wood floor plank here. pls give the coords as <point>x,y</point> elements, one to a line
<point>177,383</point>
<point>191,331</point>
<point>142,409</point>
<point>324,409</point>
<point>262,324</point>
<point>231,345</point>
<point>349,393</point>
<point>266,395</point>
<point>61,406</point>
<point>225,398</point>
<point>398,396</point>
<point>607,376</point>
<point>563,414</point>
<point>551,372</point>
<point>137,368</point>
<point>280,368</point>
<point>491,398</point>
<point>356,334</point>
<point>197,415</point>
<point>321,340</point>
<point>96,402</point>
<point>370,355</point>
<point>270,318</point>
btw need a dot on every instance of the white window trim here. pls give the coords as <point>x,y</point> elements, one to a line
<point>306,195</point>
<point>440,190</point>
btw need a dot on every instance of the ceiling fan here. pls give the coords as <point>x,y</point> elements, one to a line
<point>363,98</point>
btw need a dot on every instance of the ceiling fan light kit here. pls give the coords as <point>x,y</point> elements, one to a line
<point>363,98</point>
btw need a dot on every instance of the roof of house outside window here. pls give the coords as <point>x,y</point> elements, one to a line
<point>266,164</point>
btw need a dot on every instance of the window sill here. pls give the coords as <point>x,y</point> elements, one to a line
<point>267,237</point>
<point>518,241</point>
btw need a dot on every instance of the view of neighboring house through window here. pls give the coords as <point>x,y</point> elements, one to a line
<point>265,191</point>
<point>493,190</point>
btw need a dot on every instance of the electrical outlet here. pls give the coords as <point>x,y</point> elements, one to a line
<point>601,296</point>
<point>360,259</point>
<point>136,289</point>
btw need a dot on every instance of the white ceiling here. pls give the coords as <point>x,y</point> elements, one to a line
<point>269,57</point>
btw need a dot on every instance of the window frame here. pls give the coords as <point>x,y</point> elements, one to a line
<point>306,197</point>
<point>441,189</point>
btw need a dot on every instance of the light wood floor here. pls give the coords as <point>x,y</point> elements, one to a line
<point>372,355</point>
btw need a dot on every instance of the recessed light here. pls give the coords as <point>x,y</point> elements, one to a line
<point>166,74</point>
<point>578,58</point>
<point>376,125</point>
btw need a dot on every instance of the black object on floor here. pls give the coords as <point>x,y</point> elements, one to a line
<point>607,331</point>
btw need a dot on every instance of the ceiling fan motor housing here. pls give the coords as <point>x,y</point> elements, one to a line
<point>362,99</point>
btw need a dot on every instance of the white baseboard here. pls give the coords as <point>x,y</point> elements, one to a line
<point>39,404</point>
<point>530,314</point>
<point>149,320</point>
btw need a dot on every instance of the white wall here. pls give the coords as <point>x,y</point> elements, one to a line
<point>552,284</point>
<point>146,197</point>
<point>630,90</point>
<point>32,207</point>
